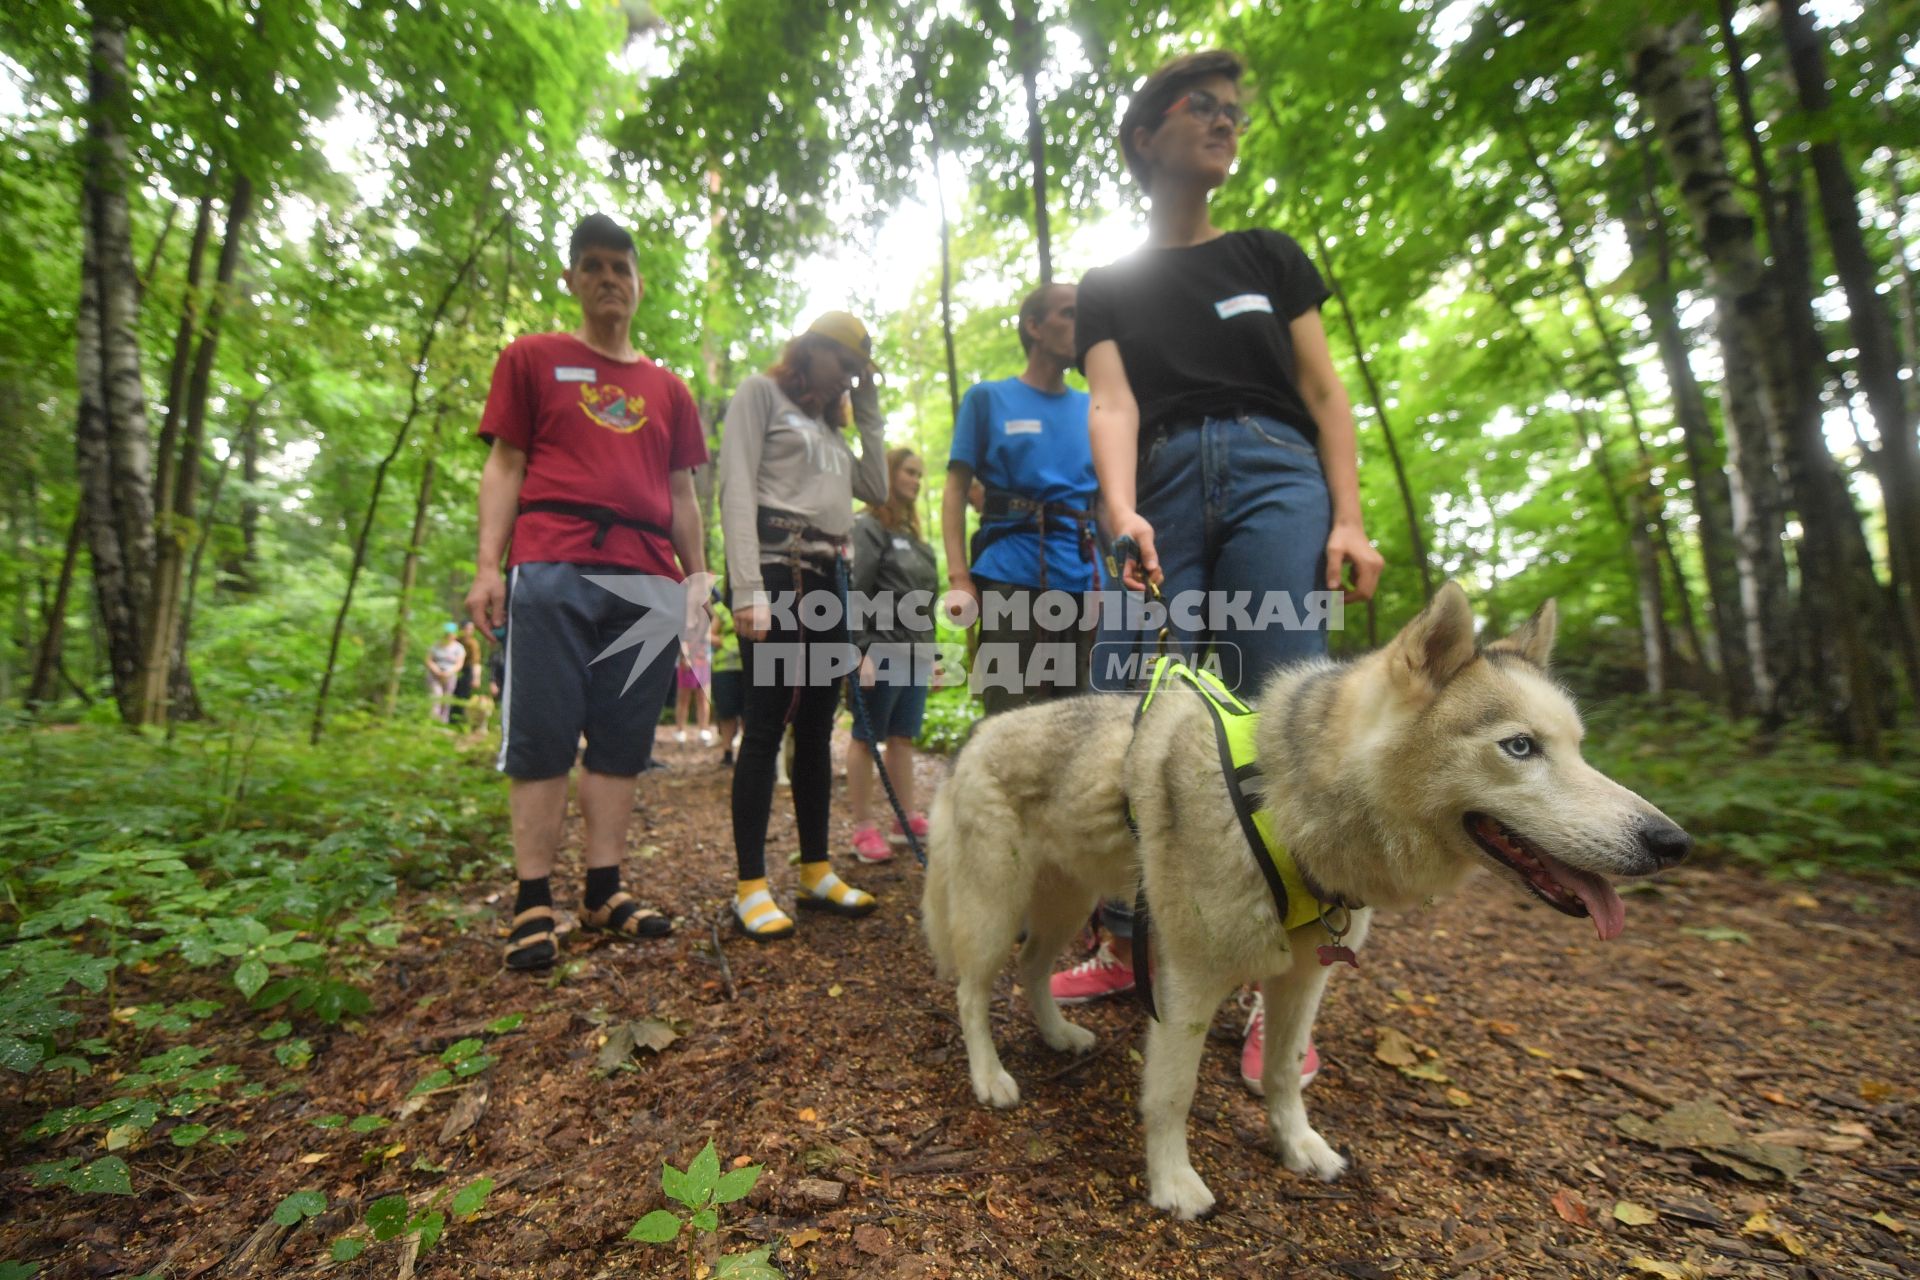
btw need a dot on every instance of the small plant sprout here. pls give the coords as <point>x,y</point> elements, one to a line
<point>700,1189</point>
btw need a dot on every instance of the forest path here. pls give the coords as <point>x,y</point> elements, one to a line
<point>834,1060</point>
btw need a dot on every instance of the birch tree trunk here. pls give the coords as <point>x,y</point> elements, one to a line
<point>1029,50</point>
<point>1681,108</point>
<point>112,446</point>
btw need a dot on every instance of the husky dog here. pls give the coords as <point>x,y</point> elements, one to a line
<point>1389,779</point>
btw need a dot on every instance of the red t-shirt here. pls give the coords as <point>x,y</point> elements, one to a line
<point>598,431</point>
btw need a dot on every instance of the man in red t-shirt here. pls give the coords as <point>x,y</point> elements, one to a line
<point>590,481</point>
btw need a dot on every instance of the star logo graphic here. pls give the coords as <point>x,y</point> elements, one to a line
<point>671,611</point>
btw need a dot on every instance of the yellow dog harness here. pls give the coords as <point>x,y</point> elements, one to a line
<point>1234,724</point>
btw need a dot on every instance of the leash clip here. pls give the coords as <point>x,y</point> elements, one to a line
<point>1336,952</point>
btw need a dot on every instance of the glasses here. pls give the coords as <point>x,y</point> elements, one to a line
<point>1202,105</point>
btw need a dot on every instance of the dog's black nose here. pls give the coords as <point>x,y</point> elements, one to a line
<point>1665,842</point>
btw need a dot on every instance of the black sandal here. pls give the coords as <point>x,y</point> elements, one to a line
<point>535,950</point>
<point>624,916</point>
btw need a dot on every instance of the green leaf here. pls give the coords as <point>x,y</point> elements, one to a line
<point>704,1220</point>
<point>736,1184</point>
<point>106,1176</point>
<point>346,1249</point>
<point>430,1227</point>
<point>470,1199</point>
<point>189,1135</point>
<point>328,1122</point>
<point>437,1080</point>
<point>747,1266</point>
<point>20,1055</point>
<point>658,1227</point>
<point>474,1066</point>
<point>301,1204</point>
<point>367,1124</point>
<point>674,1183</point>
<point>18,1270</point>
<point>460,1050</point>
<point>250,977</point>
<point>228,1137</point>
<point>294,1055</point>
<point>704,1173</point>
<point>505,1023</point>
<point>387,1216</point>
<point>276,1030</point>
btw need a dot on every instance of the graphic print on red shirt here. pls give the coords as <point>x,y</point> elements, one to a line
<point>598,431</point>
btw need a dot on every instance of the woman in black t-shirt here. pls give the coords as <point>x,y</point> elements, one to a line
<point>1222,436</point>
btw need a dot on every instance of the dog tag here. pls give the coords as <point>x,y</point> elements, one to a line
<point>1336,955</point>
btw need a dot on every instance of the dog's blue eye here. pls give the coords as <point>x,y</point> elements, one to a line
<point>1520,746</point>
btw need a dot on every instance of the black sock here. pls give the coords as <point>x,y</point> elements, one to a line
<point>533,893</point>
<point>602,883</point>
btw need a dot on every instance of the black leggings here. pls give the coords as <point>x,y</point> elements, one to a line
<point>769,696</point>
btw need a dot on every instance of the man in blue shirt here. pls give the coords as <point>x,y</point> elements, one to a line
<point>1025,439</point>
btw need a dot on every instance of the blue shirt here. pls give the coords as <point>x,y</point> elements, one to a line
<point>1028,442</point>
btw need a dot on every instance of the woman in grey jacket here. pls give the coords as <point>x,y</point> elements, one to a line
<point>788,479</point>
<point>895,568</point>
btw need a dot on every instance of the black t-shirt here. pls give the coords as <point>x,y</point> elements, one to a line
<point>1203,329</point>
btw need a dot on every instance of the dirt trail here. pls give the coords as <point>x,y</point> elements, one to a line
<point>834,1060</point>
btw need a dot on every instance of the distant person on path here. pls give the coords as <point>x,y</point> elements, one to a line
<point>694,674</point>
<point>1221,432</point>
<point>593,447</point>
<point>788,479</point>
<point>446,661</point>
<point>729,687</point>
<point>894,564</point>
<point>1023,442</point>
<point>469,678</point>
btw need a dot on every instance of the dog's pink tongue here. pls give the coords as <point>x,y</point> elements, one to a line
<point>1603,904</point>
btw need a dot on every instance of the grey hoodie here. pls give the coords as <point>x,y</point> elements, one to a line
<point>773,455</point>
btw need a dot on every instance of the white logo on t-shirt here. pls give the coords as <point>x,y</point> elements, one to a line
<point>1231,307</point>
<point>1023,426</point>
<point>574,373</point>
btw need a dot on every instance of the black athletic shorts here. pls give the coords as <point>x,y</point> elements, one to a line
<point>558,623</point>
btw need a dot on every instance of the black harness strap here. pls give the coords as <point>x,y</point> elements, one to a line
<point>1004,512</point>
<point>602,518</point>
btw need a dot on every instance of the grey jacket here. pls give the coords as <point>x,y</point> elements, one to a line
<point>894,564</point>
<point>773,455</point>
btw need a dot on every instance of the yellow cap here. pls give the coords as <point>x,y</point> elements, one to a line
<point>846,330</point>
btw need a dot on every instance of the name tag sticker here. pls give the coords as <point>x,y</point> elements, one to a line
<point>902,544</point>
<point>1023,426</point>
<point>574,373</point>
<point>1231,307</point>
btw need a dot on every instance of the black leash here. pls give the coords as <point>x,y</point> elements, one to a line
<point>857,697</point>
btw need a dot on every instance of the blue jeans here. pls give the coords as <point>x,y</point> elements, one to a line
<point>1237,505</point>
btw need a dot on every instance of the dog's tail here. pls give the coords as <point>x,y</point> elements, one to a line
<point>933,898</point>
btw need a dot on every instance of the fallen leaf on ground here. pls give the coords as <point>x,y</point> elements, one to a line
<point>1504,1028</point>
<point>1890,1222</point>
<point>1393,1048</point>
<point>1875,1090</point>
<point>1811,1139</point>
<point>627,1038</point>
<point>1707,1130</point>
<point>1634,1215</point>
<point>1459,1098</point>
<point>836,991</point>
<point>804,1236</point>
<point>868,1238</point>
<point>1571,1209</point>
<point>1666,1270</point>
<point>1766,1227</point>
<point>806,1114</point>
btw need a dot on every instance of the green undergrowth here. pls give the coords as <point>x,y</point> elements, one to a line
<point>1786,800</point>
<point>236,866</point>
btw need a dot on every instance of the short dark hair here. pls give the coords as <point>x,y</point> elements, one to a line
<point>597,231</point>
<point>1161,90</point>
<point>1033,309</point>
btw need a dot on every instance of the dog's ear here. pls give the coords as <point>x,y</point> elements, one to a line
<point>1534,640</point>
<point>1431,650</point>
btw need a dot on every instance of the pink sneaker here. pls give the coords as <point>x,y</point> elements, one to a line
<point>1252,1052</point>
<point>917,821</point>
<point>1093,979</point>
<point>869,845</point>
